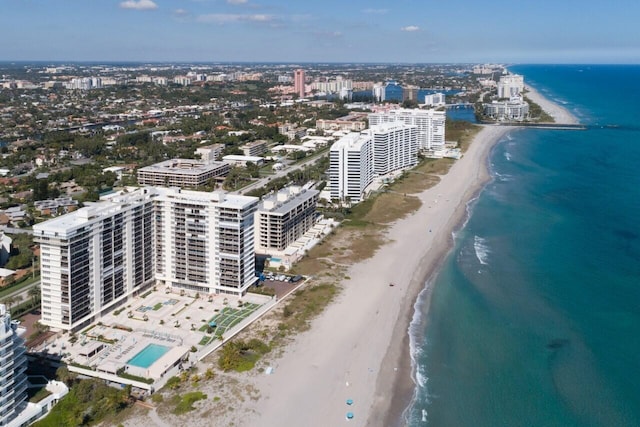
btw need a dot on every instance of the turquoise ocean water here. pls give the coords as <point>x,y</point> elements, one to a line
<point>535,316</point>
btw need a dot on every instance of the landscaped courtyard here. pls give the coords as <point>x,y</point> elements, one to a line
<point>158,332</point>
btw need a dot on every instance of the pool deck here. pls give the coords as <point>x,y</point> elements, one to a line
<point>166,319</point>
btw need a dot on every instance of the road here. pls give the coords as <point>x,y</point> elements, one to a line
<point>264,181</point>
<point>23,293</point>
<point>11,230</point>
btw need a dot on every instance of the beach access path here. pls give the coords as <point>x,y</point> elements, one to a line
<point>358,349</point>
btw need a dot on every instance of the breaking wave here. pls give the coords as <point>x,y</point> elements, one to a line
<point>481,249</point>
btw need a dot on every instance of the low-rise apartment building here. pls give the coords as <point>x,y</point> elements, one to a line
<point>346,125</point>
<point>514,109</point>
<point>210,153</point>
<point>284,217</point>
<point>254,148</point>
<point>183,173</point>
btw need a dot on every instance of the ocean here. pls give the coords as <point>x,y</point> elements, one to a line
<point>534,318</point>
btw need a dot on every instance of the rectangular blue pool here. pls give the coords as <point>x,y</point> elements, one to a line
<point>148,355</point>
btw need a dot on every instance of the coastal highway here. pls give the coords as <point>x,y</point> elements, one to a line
<point>11,230</point>
<point>22,293</point>
<point>263,181</point>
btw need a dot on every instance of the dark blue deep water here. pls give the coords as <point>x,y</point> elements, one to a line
<point>534,318</point>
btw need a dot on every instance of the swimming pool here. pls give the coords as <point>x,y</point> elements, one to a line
<point>148,355</point>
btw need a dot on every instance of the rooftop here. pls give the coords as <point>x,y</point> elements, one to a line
<point>286,199</point>
<point>183,167</point>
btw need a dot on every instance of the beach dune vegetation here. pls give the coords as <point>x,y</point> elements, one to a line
<point>240,355</point>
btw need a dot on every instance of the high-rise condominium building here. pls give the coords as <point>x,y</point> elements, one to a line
<point>95,258</point>
<point>435,99</point>
<point>13,366</point>
<point>430,124</point>
<point>350,166</point>
<point>510,85</point>
<point>284,217</point>
<point>357,158</point>
<point>299,82</point>
<point>395,146</point>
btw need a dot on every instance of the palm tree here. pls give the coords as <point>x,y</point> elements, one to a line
<point>9,301</point>
<point>34,293</point>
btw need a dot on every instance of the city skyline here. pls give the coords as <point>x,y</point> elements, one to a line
<point>358,31</point>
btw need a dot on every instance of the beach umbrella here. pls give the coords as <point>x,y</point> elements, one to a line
<point>349,415</point>
<point>349,401</point>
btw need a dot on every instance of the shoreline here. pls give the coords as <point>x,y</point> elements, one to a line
<point>357,349</point>
<point>404,385</point>
<point>559,113</point>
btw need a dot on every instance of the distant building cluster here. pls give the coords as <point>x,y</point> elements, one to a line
<point>84,83</point>
<point>510,105</point>
<point>392,91</point>
<point>340,86</point>
<point>391,143</point>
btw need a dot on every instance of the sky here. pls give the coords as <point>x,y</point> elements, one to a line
<point>406,31</point>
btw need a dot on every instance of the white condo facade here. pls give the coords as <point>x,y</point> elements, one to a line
<point>435,99</point>
<point>510,85</point>
<point>514,109</point>
<point>357,159</point>
<point>350,166</point>
<point>95,258</point>
<point>430,124</point>
<point>13,366</point>
<point>395,147</point>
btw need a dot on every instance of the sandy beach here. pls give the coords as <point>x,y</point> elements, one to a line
<point>358,348</point>
<point>559,113</point>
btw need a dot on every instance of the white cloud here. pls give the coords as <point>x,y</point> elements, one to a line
<point>139,4</point>
<point>376,11</point>
<point>225,18</point>
<point>410,28</point>
<point>180,12</point>
<point>329,34</point>
<point>237,1</point>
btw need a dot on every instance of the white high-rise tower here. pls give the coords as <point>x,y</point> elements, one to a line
<point>13,366</point>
